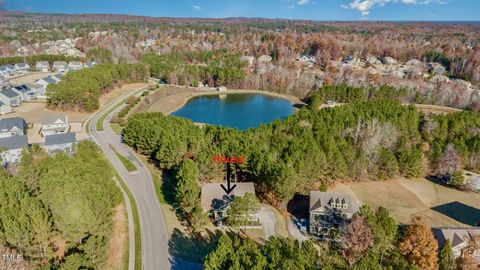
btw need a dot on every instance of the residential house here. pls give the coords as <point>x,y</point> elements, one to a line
<point>7,70</point>
<point>389,61</point>
<point>54,124</point>
<point>11,149</point>
<point>75,65</point>
<point>22,67</point>
<point>14,126</point>
<point>57,77</point>
<point>42,66</point>
<point>215,201</point>
<point>25,92</point>
<point>44,82</point>
<point>60,66</point>
<point>329,213</point>
<point>10,97</point>
<point>39,90</point>
<point>90,64</point>
<point>5,108</point>
<point>414,63</point>
<point>464,241</point>
<point>307,59</point>
<point>374,61</point>
<point>62,142</point>
<point>264,59</point>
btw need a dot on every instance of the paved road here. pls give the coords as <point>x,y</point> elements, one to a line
<point>269,222</point>
<point>155,252</point>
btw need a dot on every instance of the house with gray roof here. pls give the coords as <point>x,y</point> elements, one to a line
<point>11,149</point>
<point>460,239</point>
<point>11,97</point>
<point>42,66</point>
<point>54,124</point>
<point>22,67</point>
<point>44,82</point>
<point>330,212</point>
<point>26,93</point>
<point>7,70</point>
<point>60,66</point>
<point>14,126</point>
<point>62,142</point>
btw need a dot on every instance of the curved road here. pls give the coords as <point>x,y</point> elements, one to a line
<point>155,252</point>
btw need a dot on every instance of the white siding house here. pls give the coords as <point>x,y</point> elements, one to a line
<point>5,108</point>
<point>14,126</point>
<point>75,65</point>
<point>60,66</point>
<point>22,67</point>
<point>55,124</point>
<point>12,148</point>
<point>42,66</point>
<point>62,142</point>
<point>10,97</point>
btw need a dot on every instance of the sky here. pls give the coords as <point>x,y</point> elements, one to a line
<point>322,10</point>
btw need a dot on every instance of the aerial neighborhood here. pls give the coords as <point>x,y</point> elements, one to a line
<point>137,142</point>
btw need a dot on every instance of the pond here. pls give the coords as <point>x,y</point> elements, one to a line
<point>241,111</point>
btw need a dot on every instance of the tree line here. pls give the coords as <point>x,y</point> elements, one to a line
<point>81,90</point>
<point>57,211</point>
<point>32,59</point>
<point>376,140</point>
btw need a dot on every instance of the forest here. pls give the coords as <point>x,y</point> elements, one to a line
<point>372,241</point>
<point>212,68</point>
<point>376,140</point>
<point>57,211</point>
<point>81,90</point>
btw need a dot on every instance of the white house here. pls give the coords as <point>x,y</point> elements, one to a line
<point>90,64</point>
<point>10,97</point>
<point>25,92</point>
<point>62,142</point>
<point>460,239</point>
<point>42,66</point>
<point>11,149</point>
<point>54,124</point>
<point>5,108</point>
<point>14,126</point>
<point>75,65</point>
<point>60,66</point>
<point>7,70</point>
<point>43,83</point>
<point>22,67</point>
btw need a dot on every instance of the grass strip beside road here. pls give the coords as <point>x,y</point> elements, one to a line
<point>136,224</point>
<point>125,161</point>
<point>102,118</point>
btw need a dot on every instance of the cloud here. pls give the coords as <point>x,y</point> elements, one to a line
<point>303,2</point>
<point>196,7</point>
<point>364,6</point>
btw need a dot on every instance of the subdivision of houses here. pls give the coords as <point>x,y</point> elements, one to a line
<point>329,213</point>
<point>464,241</point>
<point>215,201</point>
<point>11,149</point>
<point>10,97</point>
<point>42,66</point>
<point>60,66</point>
<point>14,126</point>
<point>54,124</point>
<point>61,142</point>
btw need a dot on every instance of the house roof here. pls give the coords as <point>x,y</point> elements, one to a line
<point>10,93</point>
<point>57,77</point>
<point>42,63</point>
<point>59,63</point>
<point>21,65</point>
<point>22,88</point>
<point>213,196</point>
<point>324,200</point>
<point>61,138</point>
<point>51,119</point>
<point>9,123</point>
<point>14,142</point>
<point>49,79</point>
<point>457,236</point>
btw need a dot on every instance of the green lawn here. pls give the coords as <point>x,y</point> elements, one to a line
<point>126,162</point>
<point>116,128</point>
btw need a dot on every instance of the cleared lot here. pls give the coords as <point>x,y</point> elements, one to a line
<point>439,205</point>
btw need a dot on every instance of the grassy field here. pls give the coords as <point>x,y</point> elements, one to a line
<point>439,205</point>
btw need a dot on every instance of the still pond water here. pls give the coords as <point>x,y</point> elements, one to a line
<point>242,111</point>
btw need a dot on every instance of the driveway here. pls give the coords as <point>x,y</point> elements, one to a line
<point>269,221</point>
<point>294,231</point>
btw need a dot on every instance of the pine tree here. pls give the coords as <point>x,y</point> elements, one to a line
<point>187,190</point>
<point>446,259</point>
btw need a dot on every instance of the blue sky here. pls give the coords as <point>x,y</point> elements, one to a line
<point>423,10</point>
